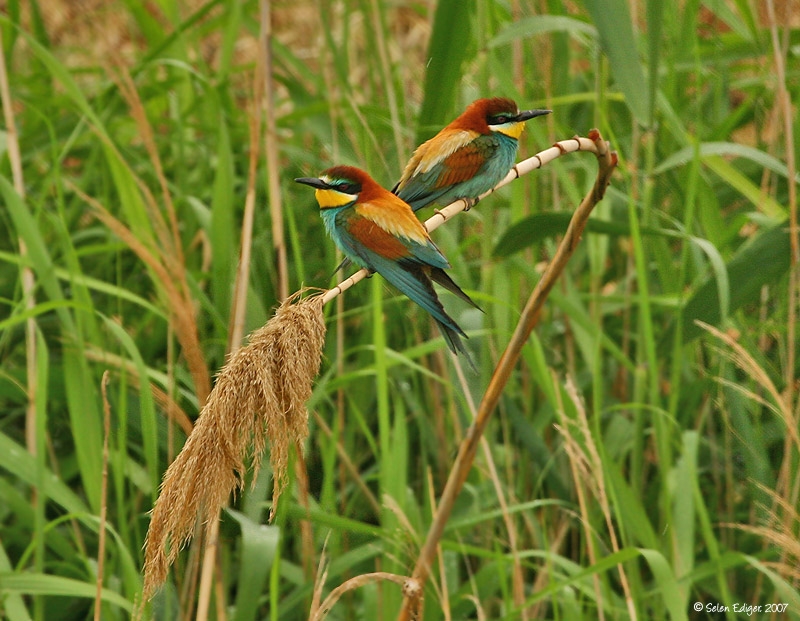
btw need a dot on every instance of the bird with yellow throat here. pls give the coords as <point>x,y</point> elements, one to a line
<point>468,157</point>
<point>377,230</point>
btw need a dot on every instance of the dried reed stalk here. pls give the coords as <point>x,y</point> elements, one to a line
<point>587,474</point>
<point>271,149</point>
<point>260,395</point>
<point>788,483</point>
<point>101,543</point>
<point>356,583</point>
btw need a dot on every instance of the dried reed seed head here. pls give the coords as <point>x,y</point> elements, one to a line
<point>260,395</point>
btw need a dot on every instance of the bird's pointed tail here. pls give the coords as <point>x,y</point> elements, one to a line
<point>440,276</point>
<point>453,339</point>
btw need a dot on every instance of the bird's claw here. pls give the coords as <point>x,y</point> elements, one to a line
<point>469,203</point>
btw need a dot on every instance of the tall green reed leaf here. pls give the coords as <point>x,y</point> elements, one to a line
<point>448,50</point>
<point>613,21</point>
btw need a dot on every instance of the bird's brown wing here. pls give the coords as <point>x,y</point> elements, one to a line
<point>461,165</point>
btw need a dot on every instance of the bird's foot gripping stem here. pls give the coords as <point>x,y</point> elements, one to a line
<point>469,203</point>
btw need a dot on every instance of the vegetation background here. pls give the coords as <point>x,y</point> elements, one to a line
<point>641,464</point>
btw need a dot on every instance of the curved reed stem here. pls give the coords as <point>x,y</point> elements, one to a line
<point>530,316</point>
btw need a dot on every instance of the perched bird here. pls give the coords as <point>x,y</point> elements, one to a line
<point>468,157</point>
<point>378,231</point>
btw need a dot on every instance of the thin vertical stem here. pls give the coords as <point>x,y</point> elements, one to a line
<point>271,152</point>
<point>28,282</point>
<point>789,482</point>
<point>101,544</point>
<point>207,571</point>
<point>785,102</point>
<point>279,245</point>
<point>237,319</point>
<point>386,70</point>
<point>28,287</point>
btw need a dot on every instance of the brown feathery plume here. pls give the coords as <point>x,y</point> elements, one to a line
<point>260,395</point>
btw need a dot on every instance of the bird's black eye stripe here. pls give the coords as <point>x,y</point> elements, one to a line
<point>347,188</point>
<point>498,119</point>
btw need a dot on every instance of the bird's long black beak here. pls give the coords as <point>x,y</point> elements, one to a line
<point>313,182</point>
<point>529,114</point>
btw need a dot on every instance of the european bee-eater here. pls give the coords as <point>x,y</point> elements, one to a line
<point>377,230</point>
<point>468,157</point>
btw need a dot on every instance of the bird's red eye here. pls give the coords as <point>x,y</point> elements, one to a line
<point>498,119</point>
<point>347,188</point>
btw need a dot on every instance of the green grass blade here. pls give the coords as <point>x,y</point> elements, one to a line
<point>538,227</point>
<point>448,50</point>
<point>613,21</point>
<point>535,25</point>
<point>671,594</point>
<point>85,420</point>
<point>769,250</point>
<point>18,462</point>
<point>683,515</point>
<point>223,234</point>
<point>655,24</point>
<point>631,510</point>
<point>13,603</point>
<point>147,411</point>
<point>259,549</point>
<point>751,191</point>
<point>45,584</point>
<point>27,229</point>
<point>684,156</point>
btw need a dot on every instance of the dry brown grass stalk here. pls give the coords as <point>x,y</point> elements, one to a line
<point>101,544</point>
<point>271,152</point>
<point>348,467</point>
<point>747,363</point>
<point>168,233</point>
<point>163,254</point>
<point>355,583</point>
<point>517,578</point>
<point>260,395</point>
<point>241,286</point>
<point>175,290</point>
<point>319,583</point>
<point>165,402</point>
<point>780,532</point>
<point>784,102</point>
<point>236,325</point>
<point>781,529</point>
<point>588,475</point>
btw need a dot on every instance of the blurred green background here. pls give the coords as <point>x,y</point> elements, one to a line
<point>639,466</point>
